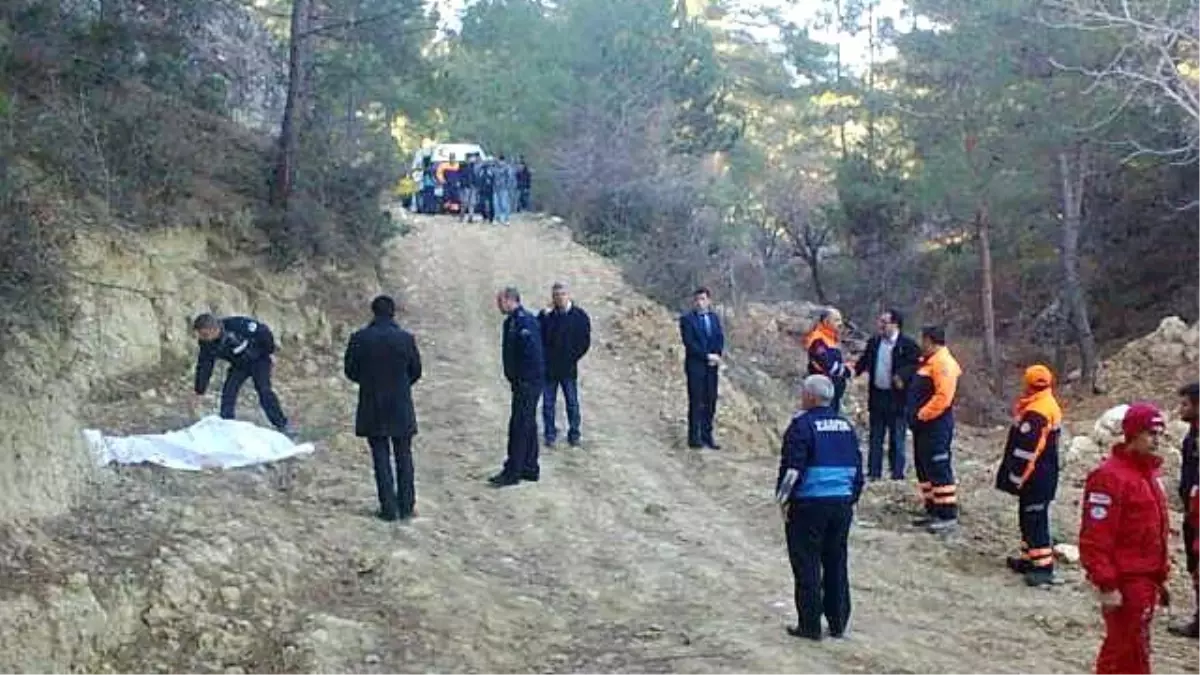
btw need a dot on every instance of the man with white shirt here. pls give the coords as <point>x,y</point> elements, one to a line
<point>890,359</point>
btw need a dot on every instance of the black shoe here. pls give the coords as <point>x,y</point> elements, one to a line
<point>838,633</point>
<point>694,446</point>
<point>503,480</point>
<point>549,442</point>
<point>1018,565</point>
<point>573,442</point>
<point>795,631</point>
<point>712,445</point>
<point>388,517</point>
<point>1191,629</point>
<point>922,521</point>
<point>1039,577</point>
<point>531,477</point>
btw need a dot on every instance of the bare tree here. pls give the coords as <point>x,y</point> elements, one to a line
<point>795,206</point>
<point>1073,167</point>
<point>1157,43</point>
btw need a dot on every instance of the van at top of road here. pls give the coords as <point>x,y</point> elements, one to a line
<point>441,153</point>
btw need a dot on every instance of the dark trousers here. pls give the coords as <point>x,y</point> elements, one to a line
<point>888,417</point>
<point>570,388</point>
<point>935,466</point>
<point>522,459</point>
<point>260,372</point>
<point>523,203</point>
<point>817,538</point>
<point>428,203</point>
<point>397,493</point>
<point>702,402</point>
<point>1034,518</point>
<point>486,205</point>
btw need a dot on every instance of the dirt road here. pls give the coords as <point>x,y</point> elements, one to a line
<point>632,554</point>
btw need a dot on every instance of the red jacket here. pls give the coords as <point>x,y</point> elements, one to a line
<point>1193,516</point>
<point>1124,531</point>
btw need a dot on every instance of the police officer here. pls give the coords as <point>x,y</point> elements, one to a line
<point>1029,470</point>
<point>247,344</point>
<point>1189,487</point>
<point>525,370</point>
<point>820,480</point>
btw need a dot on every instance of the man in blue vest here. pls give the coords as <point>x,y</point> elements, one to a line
<point>820,480</point>
<point>703,344</point>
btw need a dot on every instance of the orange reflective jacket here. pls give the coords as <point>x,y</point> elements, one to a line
<point>934,385</point>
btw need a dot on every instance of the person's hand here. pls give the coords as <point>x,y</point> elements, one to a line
<point>1164,596</point>
<point>714,359</point>
<point>1110,599</point>
<point>897,382</point>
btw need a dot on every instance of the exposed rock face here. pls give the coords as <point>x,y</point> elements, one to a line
<point>134,299</point>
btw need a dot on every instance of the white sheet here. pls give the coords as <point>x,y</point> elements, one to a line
<point>211,443</point>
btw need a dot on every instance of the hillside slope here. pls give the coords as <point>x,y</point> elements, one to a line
<point>632,554</point>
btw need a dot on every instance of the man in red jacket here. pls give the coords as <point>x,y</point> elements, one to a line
<point>1123,541</point>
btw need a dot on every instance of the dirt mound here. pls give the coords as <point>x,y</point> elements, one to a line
<point>1153,367</point>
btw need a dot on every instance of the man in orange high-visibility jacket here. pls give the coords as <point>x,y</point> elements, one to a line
<point>931,406</point>
<point>1123,540</point>
<point>825,357</point>
<point>1029,470</point>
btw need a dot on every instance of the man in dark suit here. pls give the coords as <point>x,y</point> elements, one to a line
<point>383,359</point>
<point>890,360</point>
<point>566,337</point>
<point>704,344</point>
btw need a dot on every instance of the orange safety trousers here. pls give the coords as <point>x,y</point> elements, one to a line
<point>1126,647</point>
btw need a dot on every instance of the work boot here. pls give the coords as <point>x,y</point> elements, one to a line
<point>503,480</point>
<point>943,526</point>
<point>1191,629</point>
<point>796,631</point>
<point>531,476</point>
<point>1018,564</point>
<point>1041,576</point>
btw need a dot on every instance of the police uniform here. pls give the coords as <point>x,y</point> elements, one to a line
<point>525,369</point>
<point>247,344</point>
<point>1029,470</point>
<point>820,480</point>
<point>931,402</point>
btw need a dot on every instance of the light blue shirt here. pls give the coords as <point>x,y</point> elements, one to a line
<point>882,377</point>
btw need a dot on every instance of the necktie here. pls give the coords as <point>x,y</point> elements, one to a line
<point>707,325</point>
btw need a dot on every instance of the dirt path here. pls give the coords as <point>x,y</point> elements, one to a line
<point>632,554</point>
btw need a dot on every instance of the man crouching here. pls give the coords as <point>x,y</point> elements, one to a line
<point>820,480</point>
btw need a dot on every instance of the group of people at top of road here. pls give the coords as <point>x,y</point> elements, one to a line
<point>490,188</point>
<point>912,386</point>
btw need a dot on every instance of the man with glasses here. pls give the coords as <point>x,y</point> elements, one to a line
<point>890,359</point>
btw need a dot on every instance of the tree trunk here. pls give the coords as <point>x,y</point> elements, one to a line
<point>289,130</point>
<point>991,351</point>
<point>1073,169</point>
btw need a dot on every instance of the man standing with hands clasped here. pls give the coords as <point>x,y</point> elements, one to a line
<point>525,370</point>
<point>890,361</point>
<point>1123,541</point>
<point>703,343</point>
<point>384,361</point>
<point>566,337</point>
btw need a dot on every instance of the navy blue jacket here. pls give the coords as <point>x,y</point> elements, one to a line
<point>823,448</point>
<point>524,362</point>
<point>697,344</point>
<point>243,341</point>
<point>566,337</point>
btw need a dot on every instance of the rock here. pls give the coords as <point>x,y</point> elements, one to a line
<point>654,509</point>
<point>231,596</point>
<point>1167,353</point>
<point>1191,338</point>
<point>1171,329</point>
<point>1108,427</point>
<point>371,659</point>
<point>1082,447</point>
<point>1068,553</point>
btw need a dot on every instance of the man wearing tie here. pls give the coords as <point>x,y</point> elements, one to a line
<point>703,343</point>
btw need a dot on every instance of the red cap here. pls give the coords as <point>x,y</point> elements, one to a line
<point>1141,417</point>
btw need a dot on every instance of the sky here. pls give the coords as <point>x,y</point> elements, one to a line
<point>854,49</point>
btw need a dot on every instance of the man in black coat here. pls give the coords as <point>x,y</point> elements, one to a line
<point>383,359</point>
<point>704,344</point>
<point>890,360</point>
<point>247,344</point>
<point>525,370</point>
<point>566,337</point>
